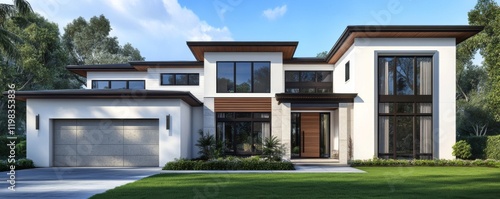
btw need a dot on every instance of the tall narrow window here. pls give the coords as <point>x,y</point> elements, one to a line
<point>347,71</point>
<point>405,107</point>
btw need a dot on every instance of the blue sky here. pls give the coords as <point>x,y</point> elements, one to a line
<point>160,28</point>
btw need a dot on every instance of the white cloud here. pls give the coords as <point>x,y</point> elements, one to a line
<point>272,14</point>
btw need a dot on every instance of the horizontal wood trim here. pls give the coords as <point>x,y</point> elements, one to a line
<point>242,104</point>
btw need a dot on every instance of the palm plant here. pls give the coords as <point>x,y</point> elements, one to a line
<point>8,39</point>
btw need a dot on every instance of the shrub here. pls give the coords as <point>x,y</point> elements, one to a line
<point>462,149</point>
<point>24,164</point>
<point>493,147</point>
<point>478,144</point>
<point>4,149</point>
<point>209,147</point>
<point>21,149</point>
<point>3,166</point>
<point>273,150</point>
<point>252,163</point>
<point>404,163</point>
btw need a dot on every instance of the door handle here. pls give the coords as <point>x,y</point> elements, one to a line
<point>303,150</point>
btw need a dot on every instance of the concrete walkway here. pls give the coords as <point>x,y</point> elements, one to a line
<point>298,169</point>
<point>59,183</point>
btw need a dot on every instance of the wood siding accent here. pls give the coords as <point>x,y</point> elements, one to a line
<point>309,124</point>
<point>242,104</point>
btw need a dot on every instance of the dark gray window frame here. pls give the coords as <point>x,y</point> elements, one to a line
<point>347,71</point>
<point>109,83</point>
<point>252,90</point>
<point>306,85</point>
<point>175,79</point>
<point>395,99</point>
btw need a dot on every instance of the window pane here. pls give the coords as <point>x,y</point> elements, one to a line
<point>323,90</point>
<point>243,77</point>
<point>386,107</point>
<point>404,136</point>
<point>404,73</point>
<point>261,131</point>
<point>385,134</point>
<point>225,134</point>
<point>261,77</point>
<point>307,90</point>
<point>292,76</point>
<point>118,84</point>
<point>243,138</point>
<point>423,137</point>
<point>292,90</point>
<point>167,79</point>
<point>136,85</point>
<point>424,76</point>
<point>194,79</point>
<point>324,76</point>
<point>181,79</point>
<point>308,76</point>
<point>243,115</point>
<point>225,77</point>
<point>386,75</point>
<point>405,108</point>
<point>100,84</point>
<point>325,135</point>
<point>424,107</point>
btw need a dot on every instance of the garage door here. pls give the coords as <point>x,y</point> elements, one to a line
<point>105,143</point>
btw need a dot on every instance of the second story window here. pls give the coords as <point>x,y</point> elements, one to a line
<point>118,84</point>
<point>243,77</point>
<point>308,81</point>
<point>347,71</point>
<point>180,79</point>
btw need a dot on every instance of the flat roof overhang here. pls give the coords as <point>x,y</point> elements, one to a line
<point>107,94</point>
<point>315,98</point>
<point>198,48</point>
<point>460,33</point>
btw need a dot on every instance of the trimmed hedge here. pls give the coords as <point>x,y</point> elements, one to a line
<point>485,147</point>
<point>228,164</point>
<point>20,164</point>
<point>493,147</point>
<point>406,163</point>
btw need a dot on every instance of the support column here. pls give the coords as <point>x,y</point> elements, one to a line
<point>344,121</point>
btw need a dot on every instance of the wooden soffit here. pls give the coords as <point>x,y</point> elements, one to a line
<point>242,104</point>
<point>198,48</point>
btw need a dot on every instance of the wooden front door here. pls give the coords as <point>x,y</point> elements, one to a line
<point>310,132</point>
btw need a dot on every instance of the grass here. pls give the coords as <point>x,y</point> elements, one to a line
<point>379,182</point>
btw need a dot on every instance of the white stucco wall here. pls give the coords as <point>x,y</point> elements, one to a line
<point>363,58</point>
<point>39,147</point>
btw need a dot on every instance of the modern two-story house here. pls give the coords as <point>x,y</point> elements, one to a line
<point>382,91</point>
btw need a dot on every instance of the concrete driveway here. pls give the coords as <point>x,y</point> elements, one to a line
<point>70,182</point>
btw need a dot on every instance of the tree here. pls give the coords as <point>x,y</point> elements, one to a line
<point>487,13</point>
<point>90,43</point>
<point>8,39</point>
<point>41,65</point>
<point>322,54</point>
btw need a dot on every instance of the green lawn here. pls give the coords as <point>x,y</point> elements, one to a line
<point>379,182</point>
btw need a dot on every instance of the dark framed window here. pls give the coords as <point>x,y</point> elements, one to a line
<point>243,77</point>
<point>405,107</point>
<point>118,84</point>
<point>180,79</point>
<point>347,71</point>
<point>308,81</point>
<point>243,134</point>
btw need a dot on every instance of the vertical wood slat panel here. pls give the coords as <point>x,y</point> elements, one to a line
<point>310,127</point>
<point>242,104</point>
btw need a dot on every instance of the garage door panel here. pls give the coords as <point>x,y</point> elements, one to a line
<point>105,143</point>
<point>140,137</point>
<point>99,161</point>
<point>65,161</point>
<point>64,149</point>
<point>140,149</point>
<point>140,125</point>
<point>140,161</point>
<point>65,124</point>
<point>65,136</point>
<point>93,150</point>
